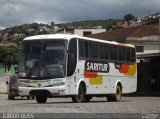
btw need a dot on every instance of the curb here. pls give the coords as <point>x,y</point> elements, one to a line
<point>143,94</point>
<point>3,93</point>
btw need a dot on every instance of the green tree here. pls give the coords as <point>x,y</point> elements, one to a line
<point>128,17</point>
<point>9,54</point>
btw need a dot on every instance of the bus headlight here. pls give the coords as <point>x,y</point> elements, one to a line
<point>23,84</point>
<point>58,84</point>
<point>22,74</point>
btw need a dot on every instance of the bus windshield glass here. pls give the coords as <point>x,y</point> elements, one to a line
<point>42,59</point>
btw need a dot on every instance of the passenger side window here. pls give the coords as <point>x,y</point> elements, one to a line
<point>128,55</point>
<point>106,50</point>
<point>72,57</point>
<point>113,52</point>
<point>102,51</point>
<point>133,55</point>
<point>95,50</point>
<point>121,54</point>
<point>82,48</point>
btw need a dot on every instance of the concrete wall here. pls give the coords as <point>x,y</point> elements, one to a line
<point>151,48</point>
<point>94,31</point>
<point>3,86</point>
<point>148,47</point>
<point>151,43</point>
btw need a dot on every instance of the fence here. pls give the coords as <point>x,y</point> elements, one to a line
<point>6,70</point>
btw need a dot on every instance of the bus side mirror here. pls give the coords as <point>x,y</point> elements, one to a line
<point>7,82</point>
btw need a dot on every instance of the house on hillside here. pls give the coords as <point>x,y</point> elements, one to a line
<point>154,15</point>
<point>123,24</point>
<point>81,32</point>
<point>152,18</point>
<point>85,32</point>
<point>146,39</point>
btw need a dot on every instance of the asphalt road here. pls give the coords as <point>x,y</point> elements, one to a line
<point>96,105</point>
<point>128,105</point>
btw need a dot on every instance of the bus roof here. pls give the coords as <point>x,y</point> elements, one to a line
<point>71,36</point>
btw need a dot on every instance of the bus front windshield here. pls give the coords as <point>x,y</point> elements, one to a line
<point>42,59</point>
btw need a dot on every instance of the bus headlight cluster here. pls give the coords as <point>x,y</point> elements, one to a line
<point>22,74</point>
<point>58,84</point>
<point>23,84</point>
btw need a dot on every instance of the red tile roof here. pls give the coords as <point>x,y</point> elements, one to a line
<point>122,34</point>
<point>139,56</point>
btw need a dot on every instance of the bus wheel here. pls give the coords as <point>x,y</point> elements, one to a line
<point>41,99</point>
<point>81,95</point>
<point>88,98</point>
<point>28,97</point>
<point>32,97</point>
<point>117,96</point>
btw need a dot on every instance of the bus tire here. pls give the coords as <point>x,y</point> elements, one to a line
<point>88,98</point>
<point>41,99</point>
<point>32,97</point>
<point>81,95</point>
<point>118,94</point>
<point>28,97</point>
<point>115,97</point>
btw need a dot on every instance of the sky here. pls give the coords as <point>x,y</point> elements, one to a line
<point>18,12</point>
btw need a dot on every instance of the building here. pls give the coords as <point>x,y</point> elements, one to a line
<point>154,15</point>
<point>146,38</point>
<point>136,22</point>
<point>85,32</point>
<point>152,18</point>
<point>123,24</point>
<point>81,32</point>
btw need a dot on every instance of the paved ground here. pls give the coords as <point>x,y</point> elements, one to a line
<point>65,105</point>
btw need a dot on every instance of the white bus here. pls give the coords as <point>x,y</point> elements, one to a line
<point>65,65</point>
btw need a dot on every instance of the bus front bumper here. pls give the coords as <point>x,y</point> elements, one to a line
<point>48,91</point>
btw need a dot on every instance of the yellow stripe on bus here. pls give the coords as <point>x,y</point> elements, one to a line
<point>131,70</point>
<point>96,81</point>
